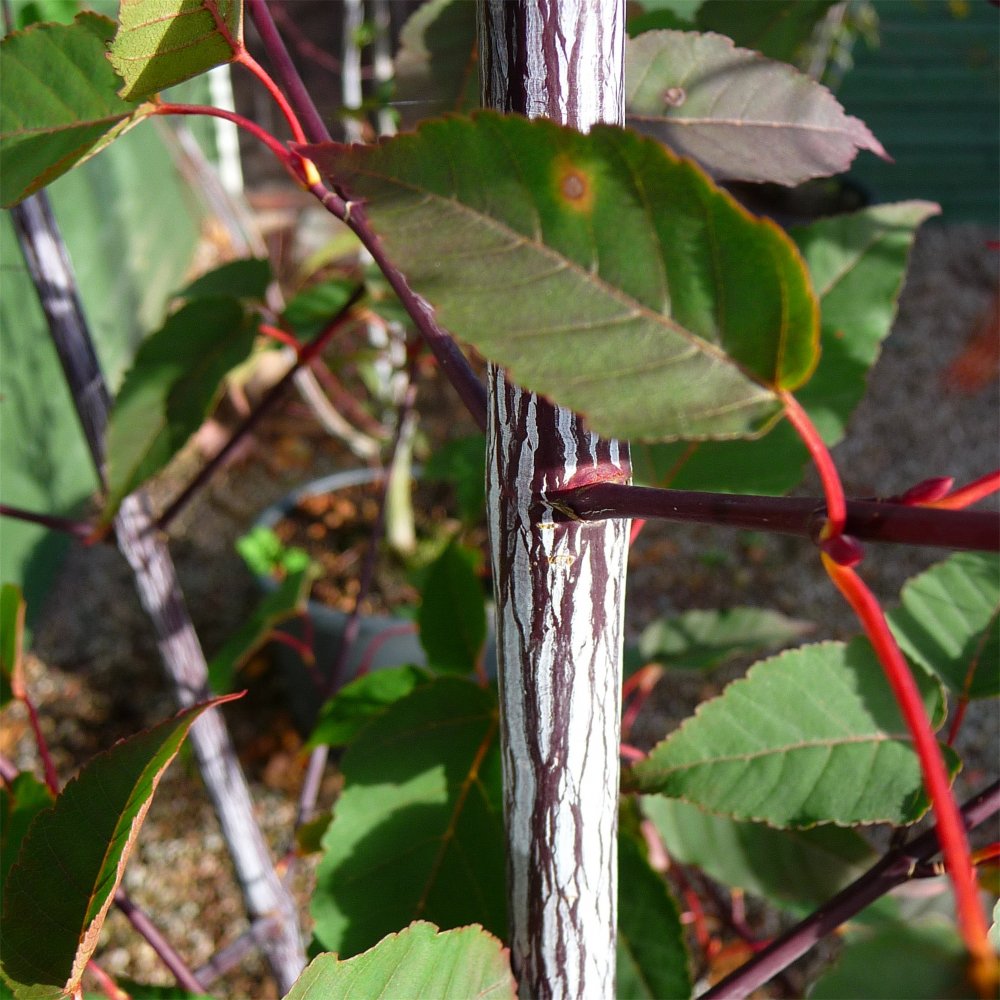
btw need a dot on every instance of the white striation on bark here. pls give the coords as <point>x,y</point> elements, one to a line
<point>559,586</point>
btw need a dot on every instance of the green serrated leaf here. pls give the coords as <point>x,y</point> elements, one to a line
<point>420,963</point>
<point>419,825</point>
<point>170,388</point>
<point>239,279</point>
<point>160,43</point>
<point>653,961</point>
<point>690,91</point>
<point>700,640</point>
<point>362,700</point>
<point>462,462</point>
<point>33,11</point>
<point>452,614</point>
<point>20,802</point>
<point>948,621</point>
<point>810,736</point>
<point>799,869</point>
<point>611,270</point>
<point>857,262</point>
<point>288,601</point>
<point>46,130</point>
<point>12,609</point>
<point>928,962</point>
<point>71,862</point>
<point>436,66</point>
<point>311,309</point>
<point>267,555</point>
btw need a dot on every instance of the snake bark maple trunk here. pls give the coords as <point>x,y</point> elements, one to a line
<point>560,588</point>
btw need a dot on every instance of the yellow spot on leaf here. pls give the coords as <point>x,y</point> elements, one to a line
<point>574,185</point>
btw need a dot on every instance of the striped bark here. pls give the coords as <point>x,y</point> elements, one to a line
<point>559,586</point>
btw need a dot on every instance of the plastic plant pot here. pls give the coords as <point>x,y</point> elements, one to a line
<point>382,641</point>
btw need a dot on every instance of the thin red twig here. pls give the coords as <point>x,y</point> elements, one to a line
<point>296,165</point>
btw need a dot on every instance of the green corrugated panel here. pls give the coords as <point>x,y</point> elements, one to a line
<point>931,93</point>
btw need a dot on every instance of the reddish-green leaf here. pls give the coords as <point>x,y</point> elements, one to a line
<point>419,825</point>
<point>72,859</point>
<point>653,962</point>
<point>742,117</point>
<point>59,102</point>
<point>811,736</point>
<point>170,388</point>
<point>949,622</point>
<point>611,270</point>
<point>419,963</point>
<point>163,42</point>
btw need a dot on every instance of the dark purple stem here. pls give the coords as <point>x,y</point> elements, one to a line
<point>164,950</point>
<point>300,99</point>
<point>305,357</point>
<point>895,868</point>
<point>872,520</point>
<point>318,758</point>
<point>449,356</point>
<point>78,529</point>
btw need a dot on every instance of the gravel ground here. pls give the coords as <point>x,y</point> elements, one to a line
<point>96,678</point>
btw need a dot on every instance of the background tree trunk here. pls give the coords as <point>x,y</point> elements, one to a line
<point>559,587</point>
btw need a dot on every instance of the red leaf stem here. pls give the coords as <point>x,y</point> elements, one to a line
<point>296,165</point>
<point>636,529</point>
<point>245,59</point>
<point>969,494</point>
<point>951,832</point>
<point>294,642</point>
<point>640,685</point>
<point>282,336</point>
<point>836,504</point>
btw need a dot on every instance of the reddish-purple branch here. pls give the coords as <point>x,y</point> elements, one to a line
<point>449,356</point>
<point>300,99</point>
<point>78,529</point>
<point>871,520</point>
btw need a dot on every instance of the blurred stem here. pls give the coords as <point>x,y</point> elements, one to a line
<point>400,530</point>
